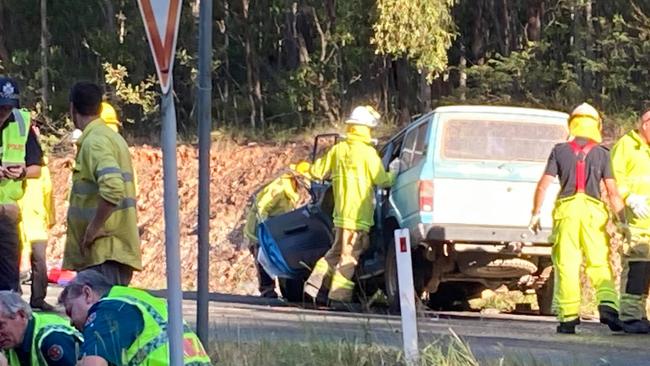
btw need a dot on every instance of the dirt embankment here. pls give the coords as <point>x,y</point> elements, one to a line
<point>236,172</point>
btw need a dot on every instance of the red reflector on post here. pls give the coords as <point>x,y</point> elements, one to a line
<point>425,191</point>
<point>402,244</point>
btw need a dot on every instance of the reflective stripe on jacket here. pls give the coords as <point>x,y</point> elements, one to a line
<point>14,139</point>
<point>151,347</point>
<point>44,324</point>
<point>103,168</point>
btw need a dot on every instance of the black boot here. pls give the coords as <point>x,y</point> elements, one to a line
<point>568,327</point>
<point>636,326</point>
<point>609,317</point>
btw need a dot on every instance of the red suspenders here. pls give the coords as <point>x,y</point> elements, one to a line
<point>581,154</point>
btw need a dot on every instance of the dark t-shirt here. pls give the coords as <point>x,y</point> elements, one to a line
<point>562,164</point>
<point>33,151</point>
<point>110,330</point>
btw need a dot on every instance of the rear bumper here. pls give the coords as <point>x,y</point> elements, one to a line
<point>458,233</point>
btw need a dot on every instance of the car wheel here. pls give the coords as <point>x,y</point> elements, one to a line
<point>391,281</point>
<point>292,290</point>
<point>498,268</point>
<point>421,274</point>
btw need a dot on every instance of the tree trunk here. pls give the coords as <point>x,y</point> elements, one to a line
<point>462,69</point>
<point>109,12</point>
<point>534,12</point>
<point>403,90</point>
<point>4,53</point>
<point>252,72</point>
<point>504,18</point>
<point>588,79</point>
<point>424,93</point>
<point>44,62</point>
<point>478,33</point>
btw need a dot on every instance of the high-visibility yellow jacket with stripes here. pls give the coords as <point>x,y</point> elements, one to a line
<point>274,199</point>
<point>44,325</point>
<point>37,208</point>
<point>355,168</point>
<point>631,167</point>
<point>14,140</point>
<point>151,347</point>
<point>102,168</point>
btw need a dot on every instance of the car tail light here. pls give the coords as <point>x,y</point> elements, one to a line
<point>426,195</point>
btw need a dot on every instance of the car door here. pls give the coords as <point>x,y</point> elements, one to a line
<point>405,192</point>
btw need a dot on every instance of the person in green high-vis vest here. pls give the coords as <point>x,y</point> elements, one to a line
<point>20,157</point>
<point>123,325</point>
<point>35,339</point>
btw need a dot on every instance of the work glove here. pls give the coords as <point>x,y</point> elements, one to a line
<point>535,225</point>
<point>639,205</point>
<point>625,231</point>
<point>395,166</point>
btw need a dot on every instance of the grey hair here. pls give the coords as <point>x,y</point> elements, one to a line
<point>89,277</point>
<point>12,303</point>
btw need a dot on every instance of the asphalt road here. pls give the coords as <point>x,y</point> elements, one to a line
<point>249,319</point>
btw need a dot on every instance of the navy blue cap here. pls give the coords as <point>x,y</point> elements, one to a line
<point>9,93</point>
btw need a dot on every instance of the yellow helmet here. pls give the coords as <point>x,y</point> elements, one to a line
<point>110,116</point>
<point>302,168</point>
<point>585,121</point>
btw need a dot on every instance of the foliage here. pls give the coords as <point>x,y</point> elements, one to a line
<point>421,30</point>
<point>290,66</point>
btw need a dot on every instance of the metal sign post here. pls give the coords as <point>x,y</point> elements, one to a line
<point>407,296</point>
<point>205,127</point>
<point>161,19</point>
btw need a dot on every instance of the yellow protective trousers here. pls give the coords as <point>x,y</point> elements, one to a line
<point>635,275</point>
<point>338,265</point>
<point>579,230</point>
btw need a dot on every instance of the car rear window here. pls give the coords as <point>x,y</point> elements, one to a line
<point>500,140</point>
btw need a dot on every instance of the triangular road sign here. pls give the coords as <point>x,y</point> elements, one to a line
<point>161,18</point>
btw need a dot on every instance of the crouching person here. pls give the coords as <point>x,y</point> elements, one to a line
<point>30,339</point>
<point>123,325</point>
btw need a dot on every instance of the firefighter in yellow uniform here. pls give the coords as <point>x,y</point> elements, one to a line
<point>102,231</point>
<point>631,165</point>
<point>278,197</point>
<point>37,218</point>
<point>355,168</point>
<point>123,325</point>
<point>579,219</point>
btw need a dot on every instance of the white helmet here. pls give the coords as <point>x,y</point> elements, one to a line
<point>364,116</point>
<point>586,110</point>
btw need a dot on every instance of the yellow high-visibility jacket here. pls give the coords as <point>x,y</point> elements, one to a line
<point>631,167</point>
<point>355,169</point>
<point>274,199</point>
<point>103,168</point>
<point>37,208</point>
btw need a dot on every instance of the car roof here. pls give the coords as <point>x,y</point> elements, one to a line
<point>501,109</point>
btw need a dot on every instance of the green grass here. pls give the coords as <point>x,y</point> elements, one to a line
<point>446,351</point>
<point>343,353</point>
